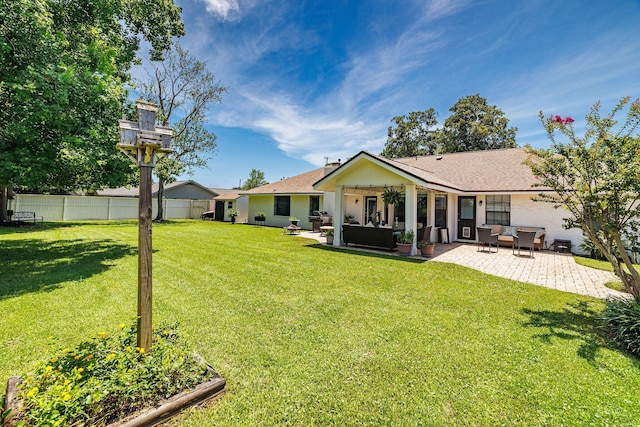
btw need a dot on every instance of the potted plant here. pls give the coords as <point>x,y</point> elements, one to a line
<point>294,220</point>
<point>391,196</point>
<point>405,241</point>
<point>233,213</point>
<point>260,216</point>
<point>329,237</point>
<point>426,247</point>
<point>349,218</point>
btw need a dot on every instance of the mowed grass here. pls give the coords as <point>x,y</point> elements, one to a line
<point>309,335</point>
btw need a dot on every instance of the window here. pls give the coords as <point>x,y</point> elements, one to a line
<point>498,210</point>
<point>422,209</point>
<point>230,205</point>
<point>282,206</point>
<point>441,210</point>
<point>398,210</point>
<point>314,204</point>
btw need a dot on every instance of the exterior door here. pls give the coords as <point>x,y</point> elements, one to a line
<point>219,210</point>
<point>372,209</point>
<point>467,218</point>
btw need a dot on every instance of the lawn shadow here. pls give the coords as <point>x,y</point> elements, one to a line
<point>371,253</point>
<point>576,322</point>
<point>33,265</point>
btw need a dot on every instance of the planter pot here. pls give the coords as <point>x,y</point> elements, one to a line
<point>404,248</point>
<point>330,240</point>
<point>294,222</point>
<point>233,219</point>
<point>260,218</point>
<point>427,250</point>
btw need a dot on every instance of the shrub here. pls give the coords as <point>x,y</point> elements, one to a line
<point>107,377</point>
<point>622,322</point>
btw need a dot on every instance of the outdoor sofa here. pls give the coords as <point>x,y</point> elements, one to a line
<point>380,237</point>
<point>506,233</point>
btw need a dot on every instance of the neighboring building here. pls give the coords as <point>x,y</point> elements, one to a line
<point>189,190</point>
<point>454,193</point>
<point>226,201</point>
<point>291,197</point>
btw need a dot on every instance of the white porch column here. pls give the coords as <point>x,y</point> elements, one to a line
<point>410,209</point>
<point>338,216</point>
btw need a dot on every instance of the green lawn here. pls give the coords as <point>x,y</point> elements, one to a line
<point>307,335</point>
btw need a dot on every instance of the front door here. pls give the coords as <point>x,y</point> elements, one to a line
<point>219,210</point>
<point>372,209</point>
<point>467,218</point>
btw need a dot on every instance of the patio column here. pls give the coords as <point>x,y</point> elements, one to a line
<point>410,209</point>
<point>338,216</point>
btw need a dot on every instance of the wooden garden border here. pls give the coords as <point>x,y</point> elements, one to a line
<point>165,409</point>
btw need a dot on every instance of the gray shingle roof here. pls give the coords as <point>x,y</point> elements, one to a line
<point>299,184</point>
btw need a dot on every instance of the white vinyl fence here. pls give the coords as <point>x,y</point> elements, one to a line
<point>72,208</point>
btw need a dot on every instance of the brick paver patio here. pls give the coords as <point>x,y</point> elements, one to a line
<point>547,268</point>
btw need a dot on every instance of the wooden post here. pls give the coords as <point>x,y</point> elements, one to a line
<point>142,141</point>
<point>145,277</point>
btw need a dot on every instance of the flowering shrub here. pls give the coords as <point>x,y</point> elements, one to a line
<point>108,377</point>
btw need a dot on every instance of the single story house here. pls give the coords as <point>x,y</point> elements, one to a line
<point>291,197</point>
<point>188,190</point>
<point>453,193</point>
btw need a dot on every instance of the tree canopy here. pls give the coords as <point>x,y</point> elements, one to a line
<point>412,135</point>
<point>65,65</point>
<point>184,90</point>
<point>596,178</point>
<point>256,179</point>
<point>473,125</point>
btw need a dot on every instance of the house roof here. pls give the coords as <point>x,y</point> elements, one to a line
<point>468,172</point>
<point>133,191</point>
<point>299,184</point>
<point>480,171</point>
<point>228,196</point>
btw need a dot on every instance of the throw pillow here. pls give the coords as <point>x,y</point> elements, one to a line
<point>510,231</point>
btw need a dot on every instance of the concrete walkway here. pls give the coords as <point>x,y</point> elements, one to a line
<point>548,269</point>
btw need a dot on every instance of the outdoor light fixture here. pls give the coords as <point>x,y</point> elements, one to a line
<point>480,202</point>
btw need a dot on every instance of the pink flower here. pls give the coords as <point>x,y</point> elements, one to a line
<point>558,119</point>
<point>568,120</point>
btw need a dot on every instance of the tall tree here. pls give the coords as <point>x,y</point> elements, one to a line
<point>256,179</point>
<point>412,135</point>
<point>64,66</point>
<point>474,125</point>
<point>184,90</point>
<point>596,178</point>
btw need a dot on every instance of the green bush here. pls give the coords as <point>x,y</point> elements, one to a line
<point>622,321</point>
<point>108,377</point>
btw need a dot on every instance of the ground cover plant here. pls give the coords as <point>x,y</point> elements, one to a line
<point>107,378</point>
<point>310,335</point>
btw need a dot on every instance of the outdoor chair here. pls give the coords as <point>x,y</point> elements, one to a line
<point>524,240</point>
<point>426,236</point>
<point>486,237</point>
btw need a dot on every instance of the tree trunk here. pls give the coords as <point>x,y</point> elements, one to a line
<point>160,215</point>
<point>4,191</point>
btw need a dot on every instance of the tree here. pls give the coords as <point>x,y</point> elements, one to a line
<point>474,125</point>
<point>412,135</point>
<point>184,90</point>
<point>64,66</point>
<point>256,179</point>
<point>597,179</point>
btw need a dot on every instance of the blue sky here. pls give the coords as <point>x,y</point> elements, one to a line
<point>309,80</point>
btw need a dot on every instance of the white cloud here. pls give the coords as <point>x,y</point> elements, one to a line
<point>225,9</point>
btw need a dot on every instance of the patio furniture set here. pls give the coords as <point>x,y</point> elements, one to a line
<point>529,238</point>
